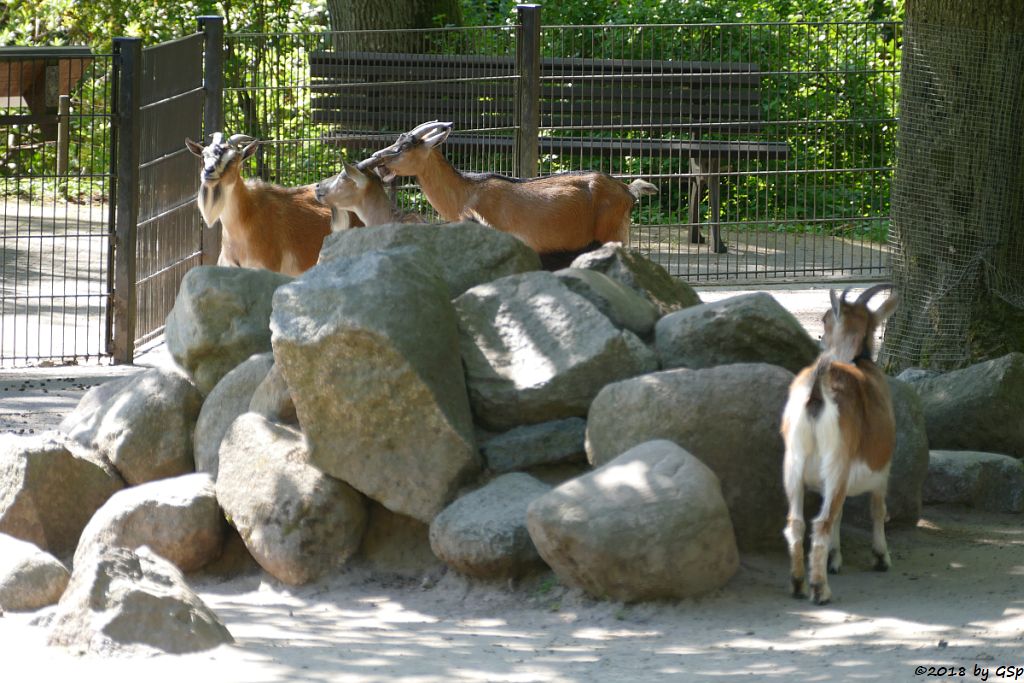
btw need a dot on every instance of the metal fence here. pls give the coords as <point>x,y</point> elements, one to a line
<point>780,135</point>
<point>56,174</point>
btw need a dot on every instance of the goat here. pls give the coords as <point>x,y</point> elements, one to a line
<point>363,194</point>
<point>839,430</point>
<point>262,225</point>
<point>566,212</point>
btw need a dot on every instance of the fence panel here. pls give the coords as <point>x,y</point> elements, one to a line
<point>55,182</point>
<point>169,238</point>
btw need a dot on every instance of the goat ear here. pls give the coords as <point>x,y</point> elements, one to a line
<point>194,147</point>
<point>353,172</point>
<point>886,309</point>
<point>250,149</point>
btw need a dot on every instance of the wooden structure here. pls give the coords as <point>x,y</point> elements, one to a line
<point>36,78</point>
<point>695,113</point>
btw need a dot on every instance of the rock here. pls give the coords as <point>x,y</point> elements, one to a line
<point>728,416</point>
<point>230,398</point>
<point>141,424</point>
<point>29,577</point>
<point>987,481</point>
<point>751,328</point>
<point>396,544</point>
<point>178,518</point>
<point>273,400</point>
<point>484,534</point>
<point>136,602</point>
<point>626,308</point>
<point>912,375</point>
<point>220,318</point>
<point>464,254</point>
<point>297,522</point>
<point>649,524</point>
<point>641,275</point>
<point>535,351</point>
<point>547,443</point>
<point>977,408</point>
<point>48,494</point>
<point>909,464</point>
<point>368,346</point>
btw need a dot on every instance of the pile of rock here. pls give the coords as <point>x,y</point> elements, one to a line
<point>424,395</point>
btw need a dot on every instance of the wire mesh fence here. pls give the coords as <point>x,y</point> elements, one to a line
<point>780,137</point>
<point>958,198</point>
<point>55,177</point>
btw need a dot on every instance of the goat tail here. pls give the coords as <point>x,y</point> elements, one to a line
<point>638,188</point>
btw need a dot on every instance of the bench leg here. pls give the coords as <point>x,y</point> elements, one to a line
<point>714,198</point>
<point>696,187</point>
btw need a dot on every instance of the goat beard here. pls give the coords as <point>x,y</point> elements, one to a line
<point>211,202</point>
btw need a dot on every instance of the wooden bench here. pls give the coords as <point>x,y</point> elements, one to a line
<point>587,107</point>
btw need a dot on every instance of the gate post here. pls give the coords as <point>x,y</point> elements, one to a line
<point>128,126</point>
<point>528,90</point>
<point>213,110</point>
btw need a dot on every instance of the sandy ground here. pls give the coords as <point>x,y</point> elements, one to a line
<point>951,609</point>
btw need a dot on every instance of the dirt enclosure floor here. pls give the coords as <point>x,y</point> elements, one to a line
<point>951,609</point>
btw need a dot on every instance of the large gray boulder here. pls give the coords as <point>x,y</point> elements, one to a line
<point>464,254</point>
<point>484,534</point>
<point>369,347</point>
<point>141,424</point>
<point>48,494</point>
<point>640,274</point>
<point>649,524</point>
<point>986,481</point>
<point>728,416</point>
<point>977,408</point>
<point>625,307</point>
<point>909,463</point>
<point>535,351</point>
<point>751,328</point>
<point>133,602</point>
<point>29,577</point>
<point>297,522</point>
<point>220,317</point>
<point>273,399</point>
<point>548,443</point>
<point>178,518</point>
<point>230,398</point>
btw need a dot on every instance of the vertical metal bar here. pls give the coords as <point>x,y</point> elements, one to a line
<point>528,94</point>
<point>127,119</point>
<point>213,111</point>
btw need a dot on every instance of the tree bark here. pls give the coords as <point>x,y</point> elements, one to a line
<point>389,17</point>
<point>957,197</point>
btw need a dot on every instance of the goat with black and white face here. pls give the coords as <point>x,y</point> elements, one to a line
<point>262,225</point>
<point>840,432</point>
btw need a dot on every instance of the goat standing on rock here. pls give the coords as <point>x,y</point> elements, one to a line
<point>566,212</point>
<point>263,225</point>
<point>840,432</point>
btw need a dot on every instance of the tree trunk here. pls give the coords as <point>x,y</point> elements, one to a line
<point>958,190</point>
<point>389,17</point>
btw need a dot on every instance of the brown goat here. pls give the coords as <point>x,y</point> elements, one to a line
<point>557,213</point>
<point>840,432</point>
<point>352,191</point>
<point>262,225</point>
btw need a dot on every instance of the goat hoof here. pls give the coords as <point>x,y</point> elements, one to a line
<point>820,595</point>
<point>882,562</point>
<point>798,588</point>
<point>835,561</point>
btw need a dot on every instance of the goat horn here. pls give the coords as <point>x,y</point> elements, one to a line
<point>240,139</point>
<point>835,303</point>
<point>423,128</point>
<point>217,137</point>
<point>866,295</point>
<point>370,163</point>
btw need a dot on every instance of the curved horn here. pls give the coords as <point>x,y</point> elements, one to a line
<point>217,137</point>
<point>835,302</point>
<point>866,295</point>
<point>240,139</point>
<point>370,163</point>
<point>424,128</point>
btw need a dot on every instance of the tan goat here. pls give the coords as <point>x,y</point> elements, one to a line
<point>360,193</point>
<point>840,432</point>
<point>262,225</point>
<point>557,213</point>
